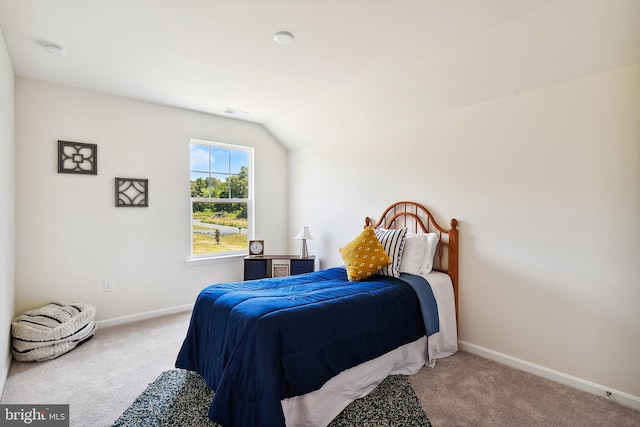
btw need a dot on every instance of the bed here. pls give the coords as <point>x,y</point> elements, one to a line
<point>297,350</point>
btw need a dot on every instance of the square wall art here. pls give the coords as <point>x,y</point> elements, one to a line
<point>132,193</point>
<point>77,157</point>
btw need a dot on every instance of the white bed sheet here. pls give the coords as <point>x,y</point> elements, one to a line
<point>319,407</point>
<point>445,342</point>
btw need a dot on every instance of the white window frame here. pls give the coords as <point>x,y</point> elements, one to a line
<point>229,255</point>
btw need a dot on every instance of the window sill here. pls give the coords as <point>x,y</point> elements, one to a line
<point>214,260</point>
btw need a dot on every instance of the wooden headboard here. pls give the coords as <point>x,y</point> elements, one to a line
<point>418,219</point>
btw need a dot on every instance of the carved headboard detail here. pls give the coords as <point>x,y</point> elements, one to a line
<point>418,219</point>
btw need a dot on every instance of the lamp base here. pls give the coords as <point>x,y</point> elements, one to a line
<point>303,251</point>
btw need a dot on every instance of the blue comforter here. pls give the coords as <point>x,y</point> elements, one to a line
<point>258,342</point>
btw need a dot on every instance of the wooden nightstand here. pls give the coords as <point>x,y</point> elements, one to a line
<point>261,267</point>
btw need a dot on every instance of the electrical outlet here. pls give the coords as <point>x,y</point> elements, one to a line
<point>107,285</point>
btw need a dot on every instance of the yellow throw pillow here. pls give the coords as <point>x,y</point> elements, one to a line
<point>364,255</point>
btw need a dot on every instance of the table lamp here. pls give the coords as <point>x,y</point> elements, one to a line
<point>304,235</point>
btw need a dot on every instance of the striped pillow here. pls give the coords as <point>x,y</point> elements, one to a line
<point>393,243</point>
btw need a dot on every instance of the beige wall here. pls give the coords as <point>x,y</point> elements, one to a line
<point>70,235</point>
<point>7,209</point>
<point>546,187</point>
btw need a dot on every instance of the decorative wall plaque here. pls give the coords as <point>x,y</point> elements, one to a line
<point>132,193</point>
<point>77,157</point>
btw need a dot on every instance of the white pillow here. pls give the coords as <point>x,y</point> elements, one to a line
<point>416,248</point>
<point>433,245</point>
<point>393,243</point>
<point>419,250</point>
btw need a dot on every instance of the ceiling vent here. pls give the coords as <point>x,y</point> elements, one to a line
<point>234,112</point>
<point>54,49</point>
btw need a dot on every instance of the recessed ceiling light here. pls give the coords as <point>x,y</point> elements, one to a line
<point>283,37</point>
<point>54,49</point>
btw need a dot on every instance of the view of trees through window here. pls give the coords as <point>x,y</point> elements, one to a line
<point>219,198</point>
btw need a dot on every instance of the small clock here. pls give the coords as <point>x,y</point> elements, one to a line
<point>256,247</point>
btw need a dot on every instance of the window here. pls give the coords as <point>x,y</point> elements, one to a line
<point>221,198</point>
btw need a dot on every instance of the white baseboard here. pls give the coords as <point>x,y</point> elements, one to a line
<point>617,396</point>
<point>144,316</point>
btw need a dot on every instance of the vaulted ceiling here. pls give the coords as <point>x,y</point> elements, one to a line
<point>352,64</point>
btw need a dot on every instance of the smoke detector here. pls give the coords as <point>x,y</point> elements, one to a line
<point>283,37</point>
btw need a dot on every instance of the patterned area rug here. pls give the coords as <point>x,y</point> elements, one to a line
<point>182,398</point>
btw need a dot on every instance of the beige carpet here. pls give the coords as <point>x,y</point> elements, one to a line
<point>101,378</point>
<point>467,390</point>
